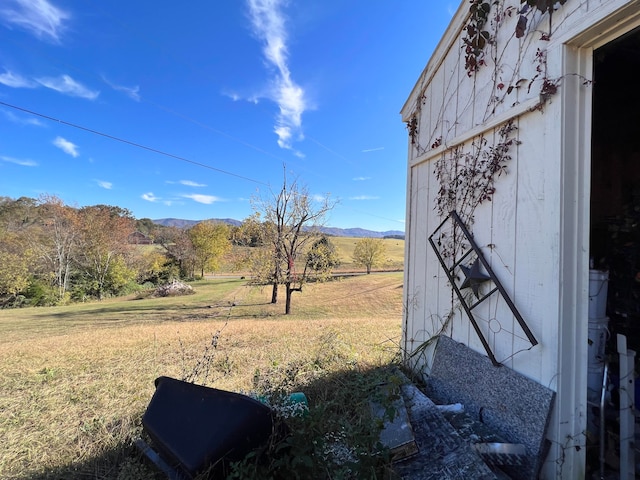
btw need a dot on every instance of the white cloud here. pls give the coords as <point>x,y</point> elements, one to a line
<point>232,95</point>
<point>22,120</point>
<point>190,183</point>
<point>206,199</point>
<point>372,149</point>
<point>149,197</point>
<point>19,161</point>
<point>361,179</point>
<point>364,197</point>
<point>68,86</point>
<point>103,184</point>
<point>39,17</point>
<point>131,92</point>
<point>269,26</point>
<point>14,80</point>
<point>66,146</point>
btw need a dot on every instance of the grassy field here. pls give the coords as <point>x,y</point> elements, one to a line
<point>75,380</point>
<point>345,246</point>
<point>344,249</point>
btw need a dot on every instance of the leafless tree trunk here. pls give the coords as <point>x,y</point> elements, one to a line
<point>291,218</point>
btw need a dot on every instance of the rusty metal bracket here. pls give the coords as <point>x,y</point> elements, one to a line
<point>473,279</point>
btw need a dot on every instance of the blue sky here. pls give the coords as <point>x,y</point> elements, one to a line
<point>190,109</point>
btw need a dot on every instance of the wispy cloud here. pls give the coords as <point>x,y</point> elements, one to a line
<point>206,199</point>
<point>105,185</point>
<point>232,95</point>
<point>15,80</point>
<point>150,197</point>
<point>190,183</point>
<point>364,197</point>
<point>372,149</point>
<point>22,120</point>
<point>19,161</point>
<point>38,17</point>
<point>131,92</point>
<point>66,146</point>
<point>62,84</point>
<point>361,179</point>
<point>68,86</point>
<point>268,23</point>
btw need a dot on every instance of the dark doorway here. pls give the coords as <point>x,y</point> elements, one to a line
<point>615,181</point>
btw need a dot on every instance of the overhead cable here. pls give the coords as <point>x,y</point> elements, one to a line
<point>134,144</point>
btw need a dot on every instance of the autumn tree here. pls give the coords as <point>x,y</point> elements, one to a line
<point>16,215</point>
<point>15,260</point>
<point>54,241</point>
<point>250,233</point>
<point>322,257</point>
<point>150,266</point>
<point>103,246</point>
<point>179,250</point>
<point>292,217</point>
<point>210,242</point>
<point>369,253</point>
<point>17,218</point>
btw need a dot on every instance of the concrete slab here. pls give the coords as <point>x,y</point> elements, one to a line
<point>512,405</point>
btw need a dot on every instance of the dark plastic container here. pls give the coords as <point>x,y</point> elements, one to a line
<point>194,427</point>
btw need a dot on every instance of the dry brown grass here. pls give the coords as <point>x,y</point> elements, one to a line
<point>74,381</point>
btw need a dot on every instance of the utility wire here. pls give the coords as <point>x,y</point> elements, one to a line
<point>134,144</point>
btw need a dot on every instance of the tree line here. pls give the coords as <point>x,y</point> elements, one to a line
<point>52,253</point>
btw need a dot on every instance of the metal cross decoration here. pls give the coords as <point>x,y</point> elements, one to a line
<point>474,279</point>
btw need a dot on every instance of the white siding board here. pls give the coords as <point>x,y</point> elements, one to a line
<point>413,266</point>
<point>436,127</point>
<point>507,73</point>
<point>420,295</point>
<point>501,250</point>
<point>415,308</point>
<point>452,94</point>
<point>532,243</point>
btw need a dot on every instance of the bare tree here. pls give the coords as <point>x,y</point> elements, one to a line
<point>57,239</point>
<point>292,217</point>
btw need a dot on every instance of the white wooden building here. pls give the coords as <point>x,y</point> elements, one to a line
<point>526,123</point>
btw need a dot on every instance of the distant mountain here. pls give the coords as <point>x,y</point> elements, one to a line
<point>360,232</point>
<point>180,223</point>
<point>336,232</point>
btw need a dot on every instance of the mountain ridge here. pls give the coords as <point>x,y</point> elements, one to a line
<point>333,231</point>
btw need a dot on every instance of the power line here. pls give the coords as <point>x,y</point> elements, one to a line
<point>134,144</point>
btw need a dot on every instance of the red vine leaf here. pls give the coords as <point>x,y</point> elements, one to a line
<point>521,26</point>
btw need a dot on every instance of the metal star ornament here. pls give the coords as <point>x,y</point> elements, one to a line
<point>474,277</point>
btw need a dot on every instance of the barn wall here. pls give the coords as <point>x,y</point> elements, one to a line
<point>454,109</point>
<point>532,231</point>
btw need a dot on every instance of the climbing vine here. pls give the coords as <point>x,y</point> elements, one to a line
<point>466,179</point>
<point>540,5</point>
<point>475,36</point>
